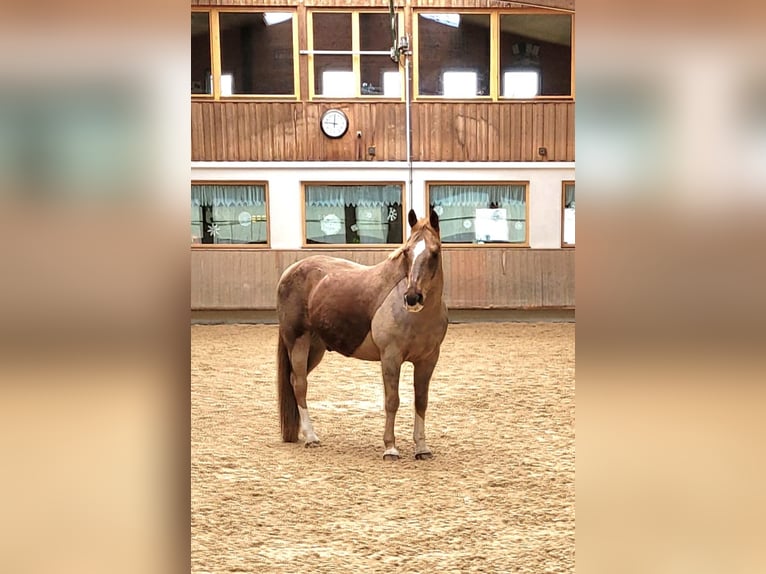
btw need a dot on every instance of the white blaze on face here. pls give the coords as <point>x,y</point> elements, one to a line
<point>419,248</point>
<point>417,251</point>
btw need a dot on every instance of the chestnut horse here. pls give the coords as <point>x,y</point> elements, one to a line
<point>391,312</point>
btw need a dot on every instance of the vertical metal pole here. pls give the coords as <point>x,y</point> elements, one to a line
<point>408,124</point>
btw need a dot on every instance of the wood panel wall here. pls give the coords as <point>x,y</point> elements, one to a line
<point>268,130</point>
<point>487,278</point>
<point>441,131</point>
<point>561,4</point>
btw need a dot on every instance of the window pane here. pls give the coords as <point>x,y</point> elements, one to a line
<point>459,84</point>
<point>350,214</point>
<point>449,43</point>
<point>392,84</point>
<point>380,74</point>
<point>225,214</point>
<point>536,43</point>
<point>200,54</point>
<point>338,83</point>
<point>569,214</point>
<point>481,213</point>
<point>332,31</point>
<point>521,84</point>
<point>256,53</point>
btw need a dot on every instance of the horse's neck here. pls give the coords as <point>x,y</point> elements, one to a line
<point>392,270</point>
<point>437,287</point>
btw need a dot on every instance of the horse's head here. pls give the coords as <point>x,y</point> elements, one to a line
<point>423,256</point>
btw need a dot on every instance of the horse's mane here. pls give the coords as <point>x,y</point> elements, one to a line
<point>415,231</point>
<point>396,252</point>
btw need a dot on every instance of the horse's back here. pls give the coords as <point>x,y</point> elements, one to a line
<point>302,276</point>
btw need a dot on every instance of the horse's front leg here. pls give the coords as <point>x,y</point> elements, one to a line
<point>422,378</point>
<point>391,366</point>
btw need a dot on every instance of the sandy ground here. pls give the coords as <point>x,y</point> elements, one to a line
<point>498,496</point>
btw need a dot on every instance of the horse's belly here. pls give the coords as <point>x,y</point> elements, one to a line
<point>368,350</point>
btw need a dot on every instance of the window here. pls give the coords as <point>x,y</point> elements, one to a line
<point>536,55</point>
<point>228,214</point>
<point>257,52</point>
<point>254,53</point>
<point>496,55</point>
<point>480,213</point>
<point>332,32</point>
<point>350,55</point>
<point>453,55</point>
<point>568,221</point>
<point>379,74</point>
<point>353,214</point>
<point>200,54</point>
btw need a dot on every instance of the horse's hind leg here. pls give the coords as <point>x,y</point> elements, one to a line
<point>299,357</point>
<point>316,352</point>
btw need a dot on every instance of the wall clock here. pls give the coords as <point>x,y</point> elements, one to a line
<point>334,123</point>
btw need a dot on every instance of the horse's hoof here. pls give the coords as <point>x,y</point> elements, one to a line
<point>312,444</point>
<point>426,455</point>
<point>391,453</point>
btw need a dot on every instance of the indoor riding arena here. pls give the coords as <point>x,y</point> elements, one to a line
<point>432,138</point>
<point>498,495</point>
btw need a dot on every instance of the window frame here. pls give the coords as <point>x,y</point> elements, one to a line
<point>501,245</point>
<point>564,184</point>
<point>381,246</point>
<point>495,79</point>
<point>215,55</point>
<point>356,63</point>
<point>238,246</point>
<point>211,95</point>
<point>493,55</point>
<point>495,73</point>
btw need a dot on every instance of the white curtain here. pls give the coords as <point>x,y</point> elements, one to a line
<point>478,195</point>
<point>458,205</point>
<point>569,214</point>
<point>333,217</point>
<point>569,195</point>
<point>228,195</point>
<point>355,195</point>
<point>372,225</point>
<point>233,209</point>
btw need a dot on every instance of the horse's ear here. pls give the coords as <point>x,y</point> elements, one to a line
<point>434,220</point>
<point>412,217</point>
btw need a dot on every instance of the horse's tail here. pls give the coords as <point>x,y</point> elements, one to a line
<point>289,418</point>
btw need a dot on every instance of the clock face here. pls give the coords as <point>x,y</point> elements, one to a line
<point>334,123</point>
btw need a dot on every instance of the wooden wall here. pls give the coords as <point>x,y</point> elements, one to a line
<point>562,4</point>
<point>271,130</point>
<point>486,278</point>
<point>441,131</point>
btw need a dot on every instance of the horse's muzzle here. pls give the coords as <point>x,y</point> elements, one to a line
<point>413,302</point>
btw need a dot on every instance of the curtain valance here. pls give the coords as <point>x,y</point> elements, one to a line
<point>477,195</point>
<point>228,195</point>
<point>353,195</point>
